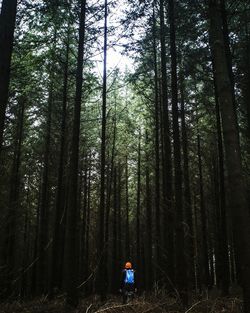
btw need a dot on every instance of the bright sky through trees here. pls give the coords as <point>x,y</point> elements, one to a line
<point>116,40</point>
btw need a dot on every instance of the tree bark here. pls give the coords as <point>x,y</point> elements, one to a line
<point>88,218</point>
<point>223,242</point>
<point>114,239</point>
<point>181,274</point>
<point>14,203</point>
<point>225,31</point>
<point>138,212</point>
<point>205,258</point>
<point>157,158</point>
<point>42,264</point>
<point>246,88</point>
<point>101,279</point>
<point>7,27</point>
<point>83,216</point>
<point>59,222</point>
<point>168,215</point>
<point>149,241</point>
<point>119,216</point>
<point>127,239</point>
<point>237,196</point>
<point>71,240</point>
<point>110,180</point>
<point>188,211</point>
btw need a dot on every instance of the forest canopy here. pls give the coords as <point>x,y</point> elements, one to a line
<point>124,136</point>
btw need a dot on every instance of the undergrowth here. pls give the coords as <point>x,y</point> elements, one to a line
<point>141,304</point>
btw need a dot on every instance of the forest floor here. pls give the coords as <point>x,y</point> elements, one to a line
<point>141,304</point>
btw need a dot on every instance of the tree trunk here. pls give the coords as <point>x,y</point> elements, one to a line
<point>83,217</point>
<point>114,239</point>
<point>197,251</point>
<point>138,213</point>
<point>205,259</point>
<point>14,213</point>
<point>59,222</point>
<point>71,242</point>
<point>215,182</point>
<point>110,179</point>
<point>127,239</point>
<point>246,87</point>
<point>157,158</point>
<point>102,270</point>
<point>25,281</point>
<point>237,196</point>
<point>187,193</point>
<point>223,242</point>
<point>35,249</point>
<point>42,264</point>
<point>148,237</point>
<point>119,216</point>
<point>168,217</point>
<point>7,26</point>
<point>228,52</point>
<point>181,274</point>
<point>88,218</point>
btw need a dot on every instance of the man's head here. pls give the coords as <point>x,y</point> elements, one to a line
<point>128,265</point>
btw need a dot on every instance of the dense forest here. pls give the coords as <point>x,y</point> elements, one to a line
<point>125,136</point>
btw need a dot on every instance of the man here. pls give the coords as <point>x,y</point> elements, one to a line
<point>128,282</point>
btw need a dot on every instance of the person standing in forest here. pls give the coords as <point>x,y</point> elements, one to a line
<point>128,282</point>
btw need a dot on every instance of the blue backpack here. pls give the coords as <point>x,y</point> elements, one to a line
<point>130,277</point>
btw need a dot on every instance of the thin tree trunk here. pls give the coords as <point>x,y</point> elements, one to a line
<point>7,26</point>
<point>138,212</point>
<point>149,241</point>
<point>35,249</point>
<point>228,51</point>
<point>181,274</point>
<point>197,251</point>
<point>119,216</point>
<point>14,205</point>
<point>223,243</point>
<point>127,239</point>
<point>83,213</point>
<point>42,264</point>
<point>114,239</point>
<point>205,259</point>
<point>57,248</point>
<point>110,179</point>
<point>215,182</point>
<point>187,192</point>
<point>232,262</point>
<point>87,288</point>
<point>25,283</point>
<point>71,240</point>
<point>102,282</point>
<point>157,157</point>
<point>168,215</point>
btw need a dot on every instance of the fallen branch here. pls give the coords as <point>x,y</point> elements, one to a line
<point>114,307</point>
<point>88,308</point>
<point>194,305</point>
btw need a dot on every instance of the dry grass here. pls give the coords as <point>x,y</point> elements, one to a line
<point>143,304</point>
